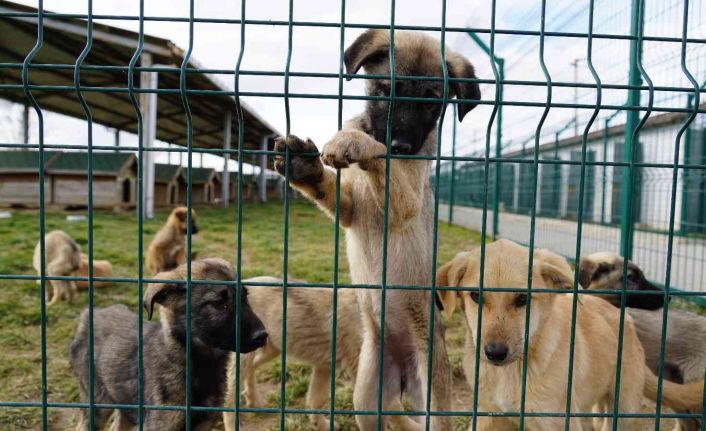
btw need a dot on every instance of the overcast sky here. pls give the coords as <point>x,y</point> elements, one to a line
<point>316,49</point>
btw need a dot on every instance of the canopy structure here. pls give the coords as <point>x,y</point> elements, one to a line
<point>104,84</point>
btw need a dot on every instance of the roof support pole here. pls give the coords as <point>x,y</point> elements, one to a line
<point>25,124</point>
<point>117,139</point>
<point>262,177</point>
<point>225,178</point>
<point>148,103</point>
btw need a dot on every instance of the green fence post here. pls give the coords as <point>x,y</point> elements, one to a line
<point>687,156</point>
<point>606,124</point>
<point>498,130</point>
<point>452,182</point>
<point>498,150</point>
<point>685,192</point>
<point>634,80</point>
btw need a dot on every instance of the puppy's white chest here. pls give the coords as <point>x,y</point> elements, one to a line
<point>501,387</point>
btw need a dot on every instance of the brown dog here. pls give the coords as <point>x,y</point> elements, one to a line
<point>357,150</point>
<point>502,333</point>
<point>685,350</point>
<point>168,248</point>
<point>62,258</point>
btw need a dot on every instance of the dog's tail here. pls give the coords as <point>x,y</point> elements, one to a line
<point>688,397</point>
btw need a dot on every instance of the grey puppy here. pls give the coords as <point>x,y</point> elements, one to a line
<point>685,350</point>
<point>213,336</point>
<point>358,150</point>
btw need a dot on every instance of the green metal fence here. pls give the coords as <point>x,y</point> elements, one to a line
<point>533,191</point>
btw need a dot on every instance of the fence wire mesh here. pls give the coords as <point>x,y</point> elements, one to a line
<point>603,151</point>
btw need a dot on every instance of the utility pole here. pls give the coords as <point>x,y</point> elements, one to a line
<point>575,64</point>
<point>498,130</point>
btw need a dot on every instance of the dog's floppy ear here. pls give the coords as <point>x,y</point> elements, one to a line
<point>370,46</point>
<point>180,215</point>
<point>555,277</point>
<point>450,275</point>
<point>460,67</point>
<point>158,293</point>
<point>587,268</point>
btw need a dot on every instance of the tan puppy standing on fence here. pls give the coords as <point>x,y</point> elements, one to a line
<point>168,248</point>
<point>62,258</point>
<point>502,344</point>
<point>357,150</point>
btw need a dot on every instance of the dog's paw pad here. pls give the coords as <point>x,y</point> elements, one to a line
<point>304,163</point>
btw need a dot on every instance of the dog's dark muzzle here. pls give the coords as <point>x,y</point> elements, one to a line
<point>256,340</point>
<point>400,147</point>
<point>259,338</point>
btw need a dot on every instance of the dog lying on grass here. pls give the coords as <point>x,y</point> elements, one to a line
<point>101,268</point>
<point>213,336</point>
<point>502,334</point>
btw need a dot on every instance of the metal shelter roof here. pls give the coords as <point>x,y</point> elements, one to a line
<point>65,38</point>
<point>103,163</point>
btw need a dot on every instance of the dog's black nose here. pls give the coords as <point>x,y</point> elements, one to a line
<point>259,338</point>
<point>194,229</point>
<point>400,147</point>
<point>496,352</point>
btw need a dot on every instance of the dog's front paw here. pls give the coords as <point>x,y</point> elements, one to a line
<point>304,163</point>
<point>351,146</point>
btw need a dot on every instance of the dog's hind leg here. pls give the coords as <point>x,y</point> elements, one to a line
<point>319,388</point>
<point>121,423</point>
<point>365,391</point>
<point>100,418</point>
<point>249,363</point>
<point>441,383</point>
<point>61,287</point>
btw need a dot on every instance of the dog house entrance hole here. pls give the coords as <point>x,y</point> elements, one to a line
<point>126,190</point>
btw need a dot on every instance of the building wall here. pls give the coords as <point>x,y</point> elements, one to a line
<point>652,201</point>
<point>108,192</point>
<point>198,193</point>
<point>164,192</point>
<point>23,189</point>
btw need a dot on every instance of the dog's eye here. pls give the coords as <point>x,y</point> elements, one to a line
<point>475,296</point>
<point>221,304</point>
<point>521,300</point>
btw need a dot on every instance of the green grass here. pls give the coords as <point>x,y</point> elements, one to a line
<point>311,239</point>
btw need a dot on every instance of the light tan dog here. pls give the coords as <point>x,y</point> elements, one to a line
<point>309,326</point>
<point>63,257</point>
<point>101,268</point>
<point>502,335</point>
<point>358,151</point>
<point>168,248</point>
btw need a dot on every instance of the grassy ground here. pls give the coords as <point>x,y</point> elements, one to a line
<point>311,238</point>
